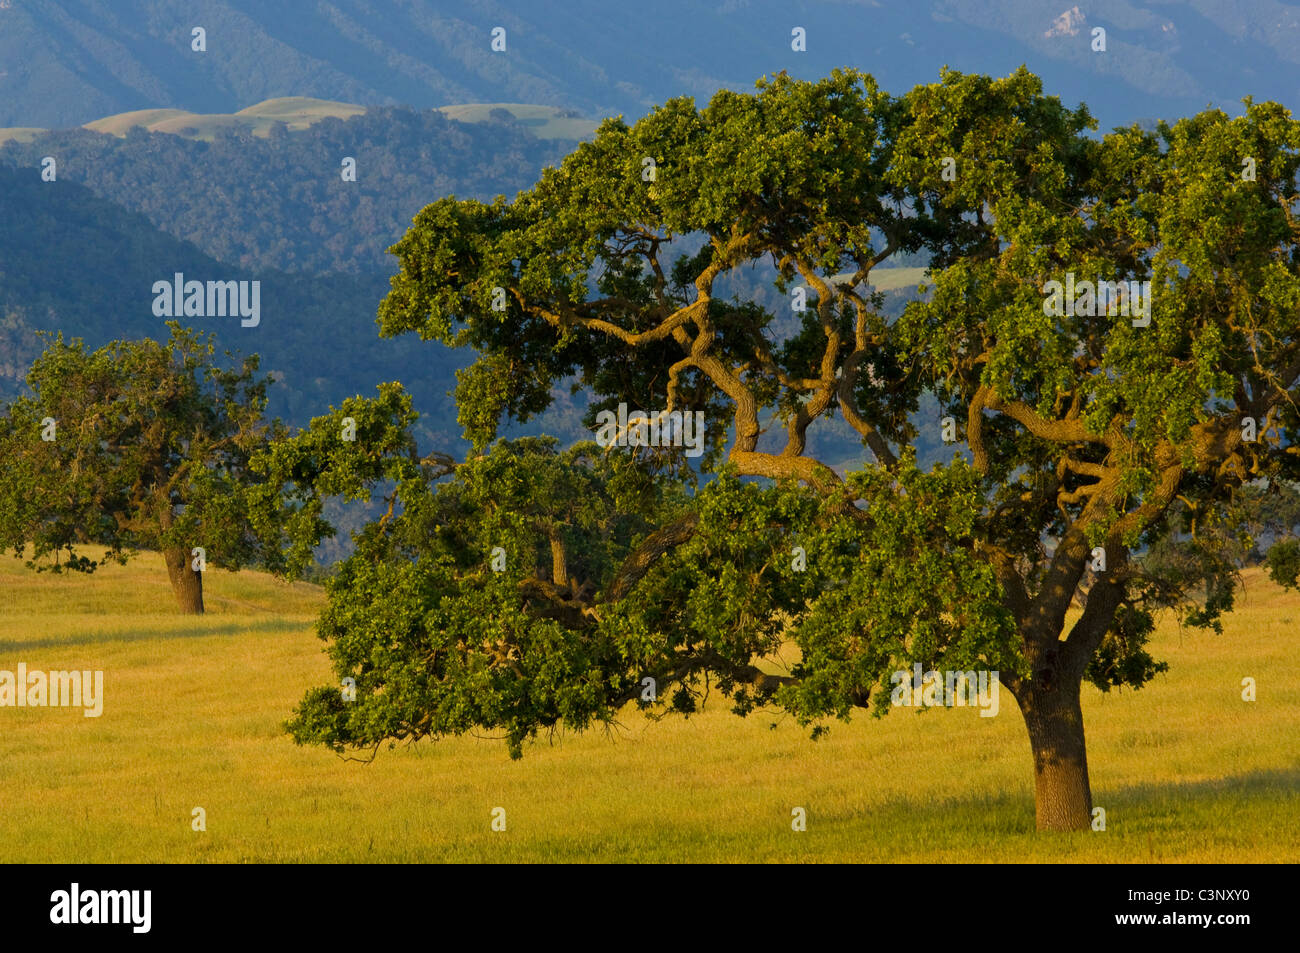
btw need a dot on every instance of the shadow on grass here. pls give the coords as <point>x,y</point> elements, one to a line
<point>1152,794</point>
<point>1145,807</point>
<point>200,630</point>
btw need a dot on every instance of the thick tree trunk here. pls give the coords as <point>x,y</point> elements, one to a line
<point>186,583</point>
<point>1054,717</point>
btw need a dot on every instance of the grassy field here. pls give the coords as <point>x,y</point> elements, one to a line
<point>299,112</point>
<point>892,279</point>
<point>1185,769</point>
<point>544,122</point>
<point>19,134</point>
<point>888,279</point>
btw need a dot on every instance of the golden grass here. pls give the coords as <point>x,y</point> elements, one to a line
<point>118,124</point>
<point>544,122</point>
<point>19,134</point>
<point>888,279</point>
<point>299,112</point>
<point>892,279</point>
<point>1185,769</point>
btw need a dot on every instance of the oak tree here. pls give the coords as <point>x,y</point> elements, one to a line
<point>1086,434</point>
<point>137,445</point>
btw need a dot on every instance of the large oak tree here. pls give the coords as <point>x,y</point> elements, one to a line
<point>1085,437</point>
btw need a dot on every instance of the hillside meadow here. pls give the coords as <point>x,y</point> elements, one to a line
<point>300,112</point>
<point>1186,770</point>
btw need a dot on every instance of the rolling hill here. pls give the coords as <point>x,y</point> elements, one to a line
<point>78,264</point>
<point>279,201</point>
<point>301,112</point>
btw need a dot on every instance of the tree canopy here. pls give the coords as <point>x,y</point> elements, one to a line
<point>1110,342</point>
<point>138,445</point>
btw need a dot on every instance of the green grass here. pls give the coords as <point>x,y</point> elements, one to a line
<point>299,112</point>
<point>193,711</point>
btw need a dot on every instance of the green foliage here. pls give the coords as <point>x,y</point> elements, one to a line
<point>1122,659</point>
<point>150,449</point>
<point>794,154</point>
<point>1284,563</point>
<point>438,641</point>
<point>1104,461</point>
<point>901,589</point>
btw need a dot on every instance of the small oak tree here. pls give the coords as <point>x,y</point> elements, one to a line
<point>136,445</point>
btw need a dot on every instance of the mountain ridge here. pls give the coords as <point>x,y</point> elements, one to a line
<point>70,62</point>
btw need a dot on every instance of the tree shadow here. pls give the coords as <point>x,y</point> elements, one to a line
<point>1143,805</point>
<point>1153,792</point>
<point>253,625</point>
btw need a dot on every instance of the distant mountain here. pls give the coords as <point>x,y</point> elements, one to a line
<point>80,254</point>
<point>67,62</point>
<point>73,262</point>
<point>280,201</point>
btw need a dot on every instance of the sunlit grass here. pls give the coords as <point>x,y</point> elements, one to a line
<point>300,112</point>
<point>1185,769</point>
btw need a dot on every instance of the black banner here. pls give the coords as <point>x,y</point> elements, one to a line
<point>141,904</point>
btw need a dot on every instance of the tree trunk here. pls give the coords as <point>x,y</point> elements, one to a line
<point>186,583</point>
<point>1054,717</point>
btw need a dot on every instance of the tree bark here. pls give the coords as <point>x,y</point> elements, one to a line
<point>186,583</point>
<point>1054,718</point>
<point>559,559</point>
